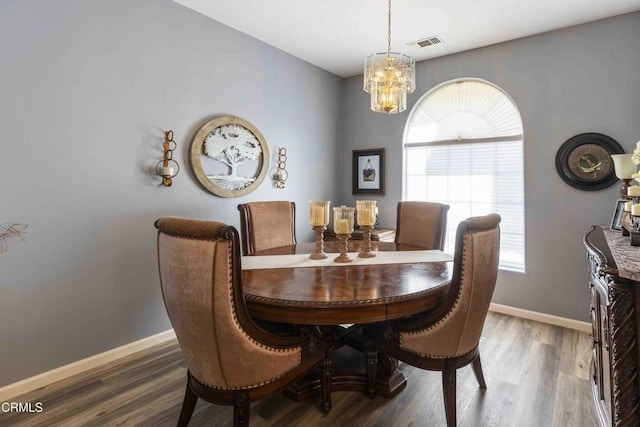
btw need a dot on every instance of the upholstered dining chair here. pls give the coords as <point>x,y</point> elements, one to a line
<point>422,224</point>
<point>448,337</point>
<point>266,225</point>
<point>230,360</point>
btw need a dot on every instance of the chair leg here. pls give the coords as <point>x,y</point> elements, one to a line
<point>188,405</point>
<point>477,369</point>
<point>449,391</point>
<point>240,409</point>
<point>326,377</point>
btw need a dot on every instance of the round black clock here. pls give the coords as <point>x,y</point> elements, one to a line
<point>584,161</point>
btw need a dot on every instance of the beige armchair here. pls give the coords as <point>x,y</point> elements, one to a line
<point>447,338</point>
<point>422,224</point>
<point>266,225</point>
<point>230,360</point>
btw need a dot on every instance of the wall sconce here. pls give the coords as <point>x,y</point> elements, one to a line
<point>281,174</point>
<point>168,168</point>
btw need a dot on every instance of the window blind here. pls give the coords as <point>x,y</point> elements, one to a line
<point>475,175</point>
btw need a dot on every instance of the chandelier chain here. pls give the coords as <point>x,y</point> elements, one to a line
<point>389,29</point>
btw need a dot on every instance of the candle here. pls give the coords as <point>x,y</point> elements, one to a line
<point>633,191</point>
<point>366,212</point>
<point>343,220</point>
<point>635,210</point>
<point>342,226</point>
<point>319,213</point>
<point>627,206</point>
<point>364,216</point>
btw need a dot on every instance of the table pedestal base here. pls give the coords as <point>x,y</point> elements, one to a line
<point>349,375</point>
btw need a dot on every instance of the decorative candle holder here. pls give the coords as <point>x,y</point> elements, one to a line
<point>318,252</point>
<point>366,210</point>
<point>635,222</point>
<point>634,212</point>
<point>633,192</point>
<point>343,227</point>
<point>633,230</point>
<point>319,218</point>
<point>365,250</point>
<point>168,168</point>
<point>343,248</point>
<point>281,174</point>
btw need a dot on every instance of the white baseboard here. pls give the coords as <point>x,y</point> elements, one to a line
<point>541,317</point>
<point>49,377</point>
<point>29,384</point>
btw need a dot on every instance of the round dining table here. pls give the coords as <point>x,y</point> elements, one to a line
<point>334,294</point>
<point>354,294</point>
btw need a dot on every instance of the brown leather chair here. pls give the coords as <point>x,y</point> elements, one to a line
<point>266,225</point>
<point>422,224</point>
<point>447,338</point>
<point>230,360</point>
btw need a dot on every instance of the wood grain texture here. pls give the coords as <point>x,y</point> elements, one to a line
<point>536,375</point>
<point>332,295</point>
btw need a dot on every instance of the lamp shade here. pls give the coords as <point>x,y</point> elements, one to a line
<point>623,165</point>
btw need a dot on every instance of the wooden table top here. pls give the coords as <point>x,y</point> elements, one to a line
<point>344,294</point>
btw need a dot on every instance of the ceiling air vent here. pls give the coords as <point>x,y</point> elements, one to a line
<point>429,41</point>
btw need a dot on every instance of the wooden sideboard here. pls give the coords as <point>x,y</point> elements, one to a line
<point>377,234</point>
<point>615,320</point>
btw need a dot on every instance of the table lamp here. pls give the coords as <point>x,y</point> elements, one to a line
<point>625,169</point>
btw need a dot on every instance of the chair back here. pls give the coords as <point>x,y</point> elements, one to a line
<point>200,277</point>
<point>455,327</point>
<point>422,224</point>
<point>266,225</point>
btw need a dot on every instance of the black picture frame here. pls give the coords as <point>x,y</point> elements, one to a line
<point>368,171</point>
<point>584,161</point>
<point>618,215</point>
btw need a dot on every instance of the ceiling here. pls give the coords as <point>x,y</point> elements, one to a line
<point>337,35</point>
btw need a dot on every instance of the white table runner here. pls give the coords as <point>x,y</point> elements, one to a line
<point>303,260</point>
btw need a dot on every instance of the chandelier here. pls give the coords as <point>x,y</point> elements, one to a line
<point>388,77</point>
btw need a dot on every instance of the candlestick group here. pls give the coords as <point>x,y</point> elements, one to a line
<point>343,216</point>
<point>343,225</point>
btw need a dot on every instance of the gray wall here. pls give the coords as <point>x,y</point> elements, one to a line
<point>87,87</point>
<point>581,79</point>
<point>86,90</point>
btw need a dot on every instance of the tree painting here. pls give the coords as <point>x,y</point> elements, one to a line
<point>232,145</point>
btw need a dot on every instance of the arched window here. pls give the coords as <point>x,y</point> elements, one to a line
<point>463,146</point>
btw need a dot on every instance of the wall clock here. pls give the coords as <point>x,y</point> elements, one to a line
<point>229,156</point>
<point>584,161</point>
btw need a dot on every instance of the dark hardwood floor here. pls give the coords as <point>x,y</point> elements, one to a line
<point>536,376</point>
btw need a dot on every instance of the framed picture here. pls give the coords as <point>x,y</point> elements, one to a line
<point>618,215</point>
<point>368,171</point>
